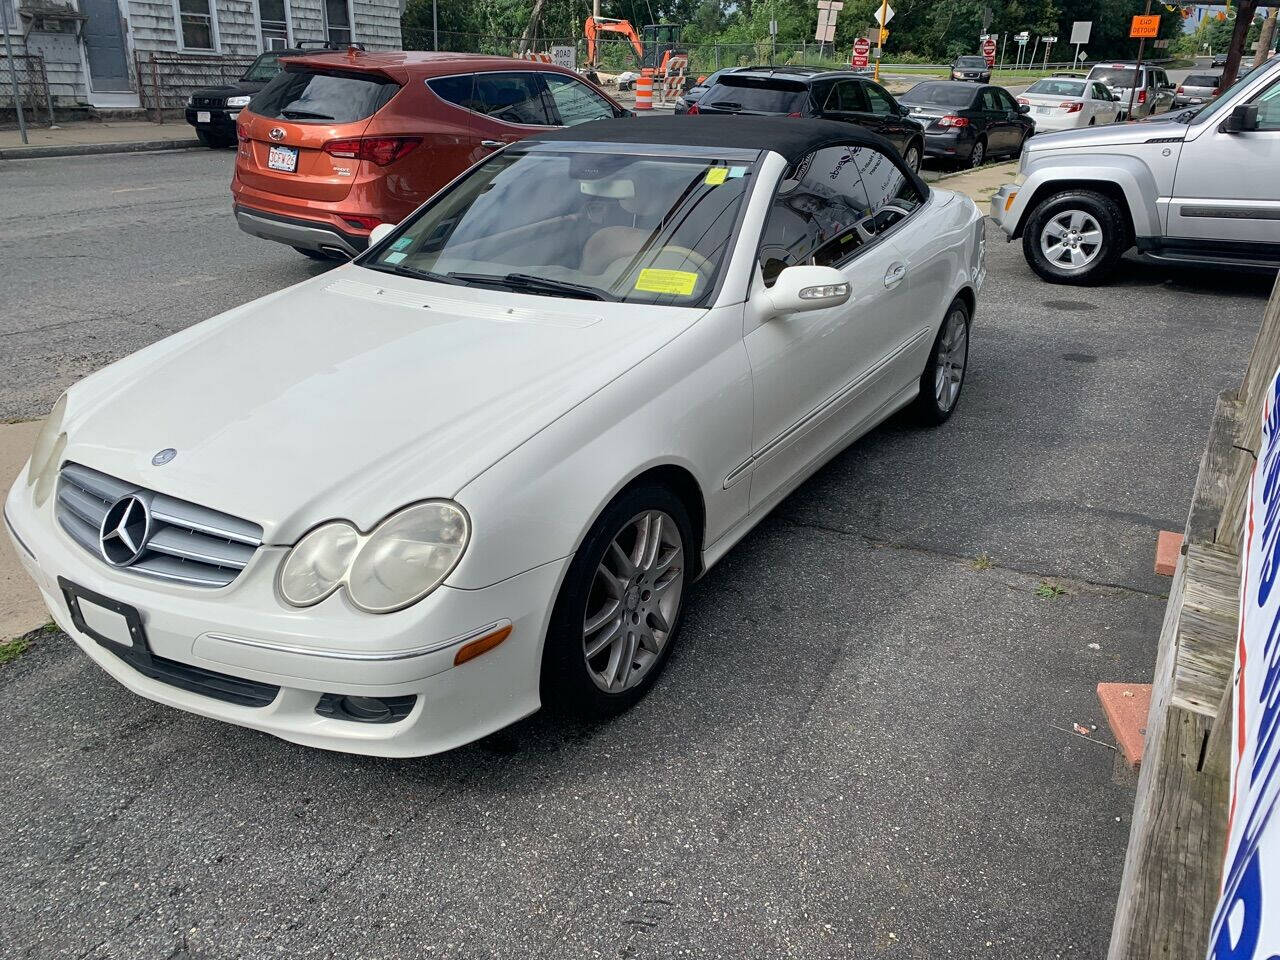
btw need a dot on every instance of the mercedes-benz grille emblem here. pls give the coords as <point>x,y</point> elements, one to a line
<point>125,530</point>
<point>276,133</point>
<point>163,457</point>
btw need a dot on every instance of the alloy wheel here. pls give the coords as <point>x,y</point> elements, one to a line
<point>979,154</point>
<point>634,601</point>
<point>1071,240</point>
<point>912,159</point>
<point>953,355</point>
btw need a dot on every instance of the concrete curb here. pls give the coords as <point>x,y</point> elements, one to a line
<point>89,149</point>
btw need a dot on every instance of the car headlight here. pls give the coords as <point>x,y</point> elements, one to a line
<point>47,453</point>
<point>403,559</point>
<point>237,101</point>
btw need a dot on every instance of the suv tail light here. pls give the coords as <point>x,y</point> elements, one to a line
<point>1024,101</point>
<point>378,150</point>
<point>951,120</point>
<point>693,109</point>
<point>1179,88</point>
<point>1072,107</point>
<point>1142,96</point>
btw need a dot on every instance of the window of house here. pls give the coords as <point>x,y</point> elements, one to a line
<point>273,19</point>
<point>197,25</point>
<point>337,20</point>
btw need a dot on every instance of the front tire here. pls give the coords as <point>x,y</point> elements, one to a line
<point>1075,237</point>
<point>618,611</point>
<point>943,377</point>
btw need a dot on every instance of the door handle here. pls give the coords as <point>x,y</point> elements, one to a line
<point>895,274</point>
<point>492,144</point>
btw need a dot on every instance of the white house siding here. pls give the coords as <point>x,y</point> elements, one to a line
<point>378,23</point>
<point>308,19</point>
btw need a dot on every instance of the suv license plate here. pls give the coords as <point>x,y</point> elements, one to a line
<point>202,116</point>
<point>283,158</point>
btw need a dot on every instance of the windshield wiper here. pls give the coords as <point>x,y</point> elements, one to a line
<point>304,115</point>
<point>403,271</point>
<point>527,281</point>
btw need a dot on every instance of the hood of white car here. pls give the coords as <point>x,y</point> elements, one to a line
<point>352,394</point>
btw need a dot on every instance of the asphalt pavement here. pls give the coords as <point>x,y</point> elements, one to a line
<point>862,745</point>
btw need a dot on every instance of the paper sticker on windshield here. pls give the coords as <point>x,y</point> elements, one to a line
<point>667,281</point>
<point>716,175</point>
<point>402,243</point>
<point>394,257</point>
<point>735,172</point>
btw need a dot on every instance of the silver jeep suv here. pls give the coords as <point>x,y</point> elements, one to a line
<point>1192,186</point>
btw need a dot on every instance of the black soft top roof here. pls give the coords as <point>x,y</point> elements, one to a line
<point>791,137</point>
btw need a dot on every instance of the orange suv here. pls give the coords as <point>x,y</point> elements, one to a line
<point>340,142</point>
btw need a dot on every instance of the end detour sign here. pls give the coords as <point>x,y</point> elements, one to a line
<point>1246,925</point>
<point>1145,28</point>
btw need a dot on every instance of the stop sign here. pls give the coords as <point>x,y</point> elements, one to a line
<point>861,51</point>
<point>989,51</point>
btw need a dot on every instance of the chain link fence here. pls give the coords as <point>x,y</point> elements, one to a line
<point>166,80</point>
<point>33,85</point>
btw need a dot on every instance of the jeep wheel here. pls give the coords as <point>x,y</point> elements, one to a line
<point>1075,237</point>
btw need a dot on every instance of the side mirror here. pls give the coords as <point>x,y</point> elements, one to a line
<point>802,288</point>
<point>1242,119</point>
<point>380,233</point>
<point>1024,108</point>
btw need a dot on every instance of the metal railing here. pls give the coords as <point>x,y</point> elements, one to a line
<point>33,85</point>
<point>167,80</point>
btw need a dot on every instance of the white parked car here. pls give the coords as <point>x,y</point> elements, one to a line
<point>400,505</point>
<point>1060,103</point>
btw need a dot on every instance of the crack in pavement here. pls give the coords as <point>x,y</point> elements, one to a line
<point>1026,571</point>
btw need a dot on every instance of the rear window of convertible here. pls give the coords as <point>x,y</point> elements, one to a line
<point>305,94</point>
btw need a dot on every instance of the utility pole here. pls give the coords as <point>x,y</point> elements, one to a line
<point>1244,18</point>
<point>1267,38</point>
<point>13,69</point>
<point>1137,71</point>
<point>435,27</point>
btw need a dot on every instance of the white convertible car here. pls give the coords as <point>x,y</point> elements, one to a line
<point>400,505</point>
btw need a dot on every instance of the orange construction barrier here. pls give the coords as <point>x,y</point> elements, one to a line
<point>644,93</point>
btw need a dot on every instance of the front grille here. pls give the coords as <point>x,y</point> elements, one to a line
<point>184,542</point>
<point>208,102</point>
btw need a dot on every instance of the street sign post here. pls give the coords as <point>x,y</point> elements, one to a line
<point>883,16</point>
<point>989,51</point>
<point>1048,42</point>
<point>828,10</point>
<point>861,52</point>
<point>1080,31</point>
<point>1021,39</point>
<point>1142,28</point>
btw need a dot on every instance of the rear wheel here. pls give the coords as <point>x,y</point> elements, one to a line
<point>912,157</point>
<point>1075,237</point>
<point>943,376</point>
<point>619,608</point>
<point>979,154</point>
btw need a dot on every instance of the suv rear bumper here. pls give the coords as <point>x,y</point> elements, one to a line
<point>303,234</point>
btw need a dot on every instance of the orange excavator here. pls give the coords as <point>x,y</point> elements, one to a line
<point>661,42</point>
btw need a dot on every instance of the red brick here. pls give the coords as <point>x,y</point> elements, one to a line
<point>1126,705</point>
<point>1168,549</point>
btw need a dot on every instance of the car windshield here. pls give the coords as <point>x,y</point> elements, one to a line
<point>940,94</point>
<point>755,95</point>
<point>972,63</point>
<point>1115,76</point>
<point>574,222</point>
<point>1057,88</point>
<point>263,69</point>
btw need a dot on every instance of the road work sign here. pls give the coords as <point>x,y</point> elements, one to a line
<point>1144,28</point>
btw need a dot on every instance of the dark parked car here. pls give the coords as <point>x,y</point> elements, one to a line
<point>694,93</point>
<point>973,69</point>
<point>967,123</point>
<point>1220,61</point>
<point>811,92</point>
<point>213,110</point>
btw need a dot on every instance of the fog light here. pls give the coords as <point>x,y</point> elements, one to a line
<point>341,706</point>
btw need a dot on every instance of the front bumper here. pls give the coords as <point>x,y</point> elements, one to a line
<point>1004,209</point>
<point>244,632</point>
<point>222,121</point>
<point>305,234</point>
